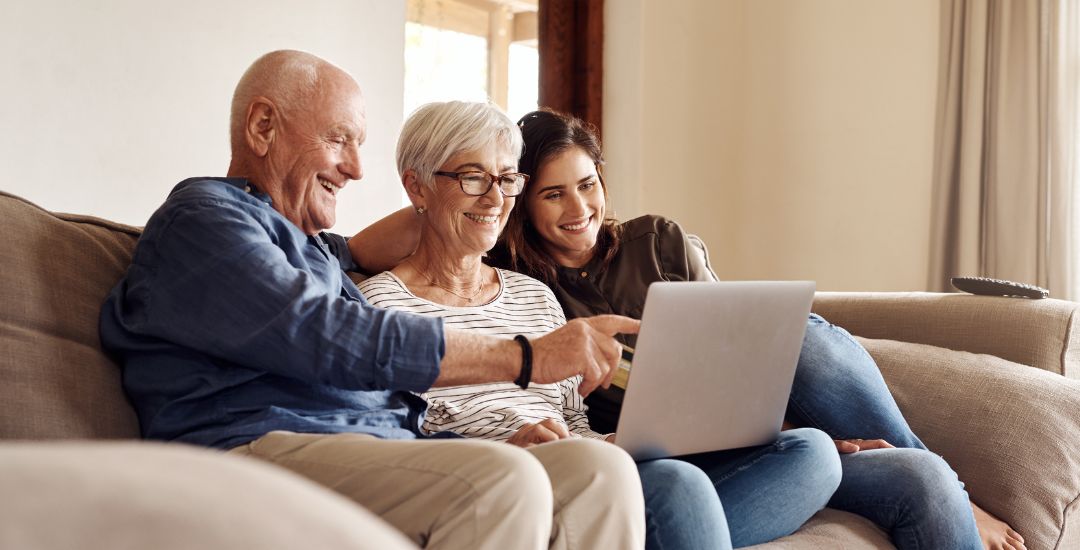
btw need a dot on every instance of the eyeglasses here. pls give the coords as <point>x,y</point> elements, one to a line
<point>476,183</point>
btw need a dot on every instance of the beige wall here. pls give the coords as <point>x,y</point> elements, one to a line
<point>107,104</point>
<point>795,137</point>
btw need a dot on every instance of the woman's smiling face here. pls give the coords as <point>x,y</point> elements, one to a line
<point>470,225</point>
<point>566,206</point>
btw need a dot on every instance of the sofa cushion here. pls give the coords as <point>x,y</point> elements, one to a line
<point>1009,431</point>
<point>55,381</point>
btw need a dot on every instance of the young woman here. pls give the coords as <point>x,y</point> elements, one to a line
<point>561,235</point>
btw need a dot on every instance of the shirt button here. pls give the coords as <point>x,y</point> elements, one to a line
<point>584,274</point>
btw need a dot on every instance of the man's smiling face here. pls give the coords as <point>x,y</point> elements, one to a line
<point>316,152</point>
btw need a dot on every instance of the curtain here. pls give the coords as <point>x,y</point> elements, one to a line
<point>1005,144</point>
<point>1063,24</point>
<point>571,47</point>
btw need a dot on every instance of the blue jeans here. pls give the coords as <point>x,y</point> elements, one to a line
<point>767,492</point>
<point>909,491</point>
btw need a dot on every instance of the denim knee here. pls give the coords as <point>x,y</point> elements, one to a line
<point>670,471</point>
<point>824,340</point>
<point>682,508</point>
<point>819,461</point>
<point>925,481</point>
<point>666,477</point>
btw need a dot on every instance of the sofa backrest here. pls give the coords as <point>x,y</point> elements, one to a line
<point>56,269</point>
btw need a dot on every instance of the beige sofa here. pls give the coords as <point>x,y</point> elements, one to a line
<point>980,379</point>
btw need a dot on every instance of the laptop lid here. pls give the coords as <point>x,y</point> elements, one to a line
<point>713,366</point>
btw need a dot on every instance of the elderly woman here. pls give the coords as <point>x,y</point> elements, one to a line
<point>458,164</point>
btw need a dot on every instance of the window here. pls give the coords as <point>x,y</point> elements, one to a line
<point>472,50</point>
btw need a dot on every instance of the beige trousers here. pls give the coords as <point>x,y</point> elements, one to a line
<point>456,494</point>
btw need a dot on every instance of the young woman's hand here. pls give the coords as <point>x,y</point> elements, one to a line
<point>541,432</point>
<point>848,446</point>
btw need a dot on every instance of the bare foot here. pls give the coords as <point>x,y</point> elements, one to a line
<point>996,534</point>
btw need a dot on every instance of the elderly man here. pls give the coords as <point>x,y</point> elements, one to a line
<point>238,329</point>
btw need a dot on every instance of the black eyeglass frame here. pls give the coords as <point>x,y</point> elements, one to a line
<point>491,178</point>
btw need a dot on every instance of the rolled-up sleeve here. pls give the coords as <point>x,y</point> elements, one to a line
<point>217,277</point>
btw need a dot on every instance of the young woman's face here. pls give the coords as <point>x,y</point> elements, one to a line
<point>566,206</point>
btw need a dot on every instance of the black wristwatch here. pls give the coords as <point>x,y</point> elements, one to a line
<point>525,377</point>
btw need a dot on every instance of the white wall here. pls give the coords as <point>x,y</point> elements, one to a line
<point>795,137</point>
<point>107,104</point>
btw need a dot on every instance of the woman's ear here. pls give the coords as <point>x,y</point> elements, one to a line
<point>416,190</point>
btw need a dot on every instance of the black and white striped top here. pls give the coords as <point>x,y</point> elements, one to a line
<point>492,411</point>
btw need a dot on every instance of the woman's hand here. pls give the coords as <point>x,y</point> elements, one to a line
<point>848,446</point>
<point>541,432</point>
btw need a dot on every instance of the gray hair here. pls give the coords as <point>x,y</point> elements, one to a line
<point>437,131</point>
<point>287,77</point>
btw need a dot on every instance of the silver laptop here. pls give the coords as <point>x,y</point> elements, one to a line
<point>713,366</point>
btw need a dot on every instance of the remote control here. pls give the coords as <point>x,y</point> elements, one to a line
<point>998,287</point>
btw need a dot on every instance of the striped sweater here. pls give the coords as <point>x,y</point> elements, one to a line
<point>492,411</point>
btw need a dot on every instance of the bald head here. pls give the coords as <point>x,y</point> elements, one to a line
<point>288,78</point>
<point>297,126</point>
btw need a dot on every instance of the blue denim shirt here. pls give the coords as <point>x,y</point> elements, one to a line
<point>231,323</point>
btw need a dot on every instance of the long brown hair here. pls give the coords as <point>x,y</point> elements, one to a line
<point>547,134</point>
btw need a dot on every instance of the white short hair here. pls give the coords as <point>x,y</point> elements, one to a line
<point>287,77</point>
<point>437,131</point>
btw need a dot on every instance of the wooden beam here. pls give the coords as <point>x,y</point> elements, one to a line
<point>482,5</point>
<point>525,27</point>
<point>515,6</point>
<point>518,6</point>
<point>451,15</point>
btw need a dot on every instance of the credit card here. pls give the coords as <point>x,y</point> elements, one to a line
<point>622,375</point>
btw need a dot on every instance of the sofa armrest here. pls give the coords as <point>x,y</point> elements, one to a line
<point>170,497</point>
<point>1037,333</point>
<point>1009,431</point>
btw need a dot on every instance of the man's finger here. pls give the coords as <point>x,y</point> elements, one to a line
<point>613,324</point>
<point>610,377</point>
<point>613,365</point>
<point>590,378</point>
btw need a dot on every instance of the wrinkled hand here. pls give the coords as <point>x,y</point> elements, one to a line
<point>848,446</point>
<point>541,432</point>
<point>584,346</point>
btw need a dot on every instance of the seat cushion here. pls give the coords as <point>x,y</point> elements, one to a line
<point>55,381</point>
